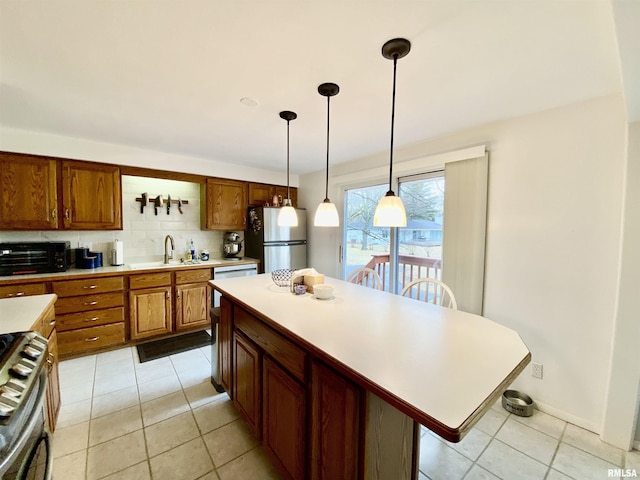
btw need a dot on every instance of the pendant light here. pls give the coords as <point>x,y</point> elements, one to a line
<point>390,211</point>
<point>326,213</point>
<point>287,216</point>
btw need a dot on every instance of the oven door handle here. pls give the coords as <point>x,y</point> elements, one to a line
<point>25,469</point>
<point>30,426</point>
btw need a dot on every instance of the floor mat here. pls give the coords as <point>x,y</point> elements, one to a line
<point>169,346</point>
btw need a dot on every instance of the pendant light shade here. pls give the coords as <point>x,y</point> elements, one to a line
<point>390,211</point>
<point>327,213</point>
<point>287,216</point>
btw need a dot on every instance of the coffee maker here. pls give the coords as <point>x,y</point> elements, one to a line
<point>232,245</point>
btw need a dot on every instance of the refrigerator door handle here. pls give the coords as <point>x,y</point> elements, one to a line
<point>284,244</point>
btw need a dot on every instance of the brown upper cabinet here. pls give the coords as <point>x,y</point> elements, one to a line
<point>261,194</point>
<point>223,204</point>
<point>91,196</point>
<point>28,198</point>
<point>88,197</point>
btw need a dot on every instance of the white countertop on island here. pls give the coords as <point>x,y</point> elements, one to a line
<point>444,367</point>
<point>19,314</point>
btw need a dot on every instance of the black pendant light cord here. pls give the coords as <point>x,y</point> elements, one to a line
<point>393,116</point>
<point>288,116</point>
<point>326,182</point>
<point>288,194</point>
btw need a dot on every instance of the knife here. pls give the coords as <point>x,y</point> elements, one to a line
<point>143,202</point>
<point>168,204</point>
<point>157,203</point>
<point>180,205</point>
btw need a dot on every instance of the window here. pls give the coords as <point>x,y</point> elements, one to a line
<point>414,251</point>
<point>454,251</point>
<point>365,245</point>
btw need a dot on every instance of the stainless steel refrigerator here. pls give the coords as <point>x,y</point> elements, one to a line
<point>276,247</point>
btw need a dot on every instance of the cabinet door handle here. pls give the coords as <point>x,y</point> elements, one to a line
<point>92,339</point>
<point>90,287</point>
<point>54,213</point>
<point>168,296</point>
<point>91,303</point>
<point>93,319</point>
<point>67,213</point>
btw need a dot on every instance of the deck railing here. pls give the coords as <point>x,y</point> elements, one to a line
<point>410,267</point>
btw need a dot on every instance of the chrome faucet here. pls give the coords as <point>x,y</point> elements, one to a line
<point>168,256</point>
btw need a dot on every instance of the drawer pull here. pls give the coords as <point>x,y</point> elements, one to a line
<point>90,287</point>
<point>92,339</point>
<point>17,294</point>
<point>52,322</point>
<point>91,303</point>
<point>93,319</point>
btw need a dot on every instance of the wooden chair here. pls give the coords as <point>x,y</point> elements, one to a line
<point>431,290</point>
<point>366,277</point>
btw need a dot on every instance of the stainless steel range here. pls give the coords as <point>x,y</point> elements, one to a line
<point>25,450</point>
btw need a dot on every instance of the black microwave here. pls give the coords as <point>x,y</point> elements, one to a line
<point>17,258</point>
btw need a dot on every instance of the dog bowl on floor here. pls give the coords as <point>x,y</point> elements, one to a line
<point>517,403</point>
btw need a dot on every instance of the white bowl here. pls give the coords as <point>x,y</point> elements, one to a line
<point>323,291</point>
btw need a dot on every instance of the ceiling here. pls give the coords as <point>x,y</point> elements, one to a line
<point>169,75</point>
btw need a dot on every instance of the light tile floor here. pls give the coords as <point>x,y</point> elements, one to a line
<point>121,419</point>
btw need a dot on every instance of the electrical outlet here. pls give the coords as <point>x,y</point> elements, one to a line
<point>536,370</point>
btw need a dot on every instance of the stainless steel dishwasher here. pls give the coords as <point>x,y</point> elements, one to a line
<point>230,271</point>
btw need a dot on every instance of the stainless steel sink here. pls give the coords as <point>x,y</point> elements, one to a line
<point>171,264</point>
<point>158,264</point>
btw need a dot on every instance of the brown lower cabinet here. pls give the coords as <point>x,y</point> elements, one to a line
<point>335,424</point>
<point>284,419</point>
<point>89,314</point>
<point>225,347</point>
<point>306,414</point>
<point>151,297</point>
<point>247,381</point>
<point>46,328</point>
<point>52,402</point>
<point>193,298</point>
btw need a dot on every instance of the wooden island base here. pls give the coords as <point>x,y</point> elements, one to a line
<point>339,390</point>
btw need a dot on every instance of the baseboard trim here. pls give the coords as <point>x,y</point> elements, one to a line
<point>562,415</point>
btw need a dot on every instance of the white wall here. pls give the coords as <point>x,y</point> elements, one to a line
<point>322,242</point>
<point>553,242</point>
<point>622,402</point>
<point>37,143</point>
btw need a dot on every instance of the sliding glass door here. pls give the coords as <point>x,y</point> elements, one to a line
<point>364,244</point>
<point>419,252</point>
<point>412,252</point>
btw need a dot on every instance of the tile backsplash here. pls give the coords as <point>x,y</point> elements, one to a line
<point>143,234</point>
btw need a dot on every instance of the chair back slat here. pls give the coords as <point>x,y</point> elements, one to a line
<point>430,290</point>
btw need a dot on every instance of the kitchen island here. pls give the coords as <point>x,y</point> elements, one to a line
<point>366,365</point>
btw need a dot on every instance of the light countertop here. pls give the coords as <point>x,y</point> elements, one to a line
<point>129,268</point>
<point>444,367</point>
<point>19,314</point>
